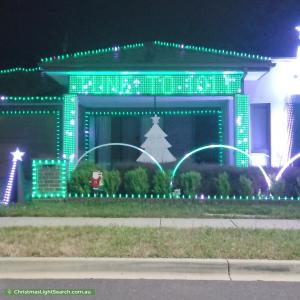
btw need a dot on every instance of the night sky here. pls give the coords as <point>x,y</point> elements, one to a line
<point>33,29</point>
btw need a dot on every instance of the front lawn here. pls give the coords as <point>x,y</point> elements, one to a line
<point>154,209</point>
<point>149,242</point>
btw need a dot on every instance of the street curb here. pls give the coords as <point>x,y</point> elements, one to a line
<point>276,270</point>
<point>148,268</point>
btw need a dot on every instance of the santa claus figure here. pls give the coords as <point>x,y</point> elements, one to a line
<point>96,180</point>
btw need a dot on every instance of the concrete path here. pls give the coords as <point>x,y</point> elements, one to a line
<point>148,268</point>
<point>151,222</point>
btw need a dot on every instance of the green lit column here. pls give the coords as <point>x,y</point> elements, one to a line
<point>70,134</point>
<point>241,129</point>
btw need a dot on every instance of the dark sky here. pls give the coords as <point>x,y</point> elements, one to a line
<point>33,29</point>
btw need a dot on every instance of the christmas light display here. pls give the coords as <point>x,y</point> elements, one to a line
<point>19,69</point>
<point>184,197</point>
<point>157,83</point>
<point>213,51</point>
<point>266,177</point>
<point>55,187</point>
<point>91,52</point>
<point>286,165</point>
<point>241,129</point>
<point>290,131</point>
<point>133,46</point>
<point>17,156</point>
<point>155,43</point>
<point>70,130</point>
<point>123,145</point>
<point>135,113</point>
<point>33,99</point>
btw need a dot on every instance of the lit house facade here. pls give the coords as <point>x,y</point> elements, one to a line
<point>74,102</point>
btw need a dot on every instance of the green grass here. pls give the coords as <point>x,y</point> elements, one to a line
<point>149,242</point>
<point>155,208</point>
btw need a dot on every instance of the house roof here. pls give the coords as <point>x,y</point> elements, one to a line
<point>29,84</point>
<point>152,56</point>
<point>155,56</point>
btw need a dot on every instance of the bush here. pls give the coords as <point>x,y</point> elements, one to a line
<point>136,181</point>
<point>190,182</point>
<point>161,183</point>
<point>81,176</point>
<point>297,186</point>
<point>278,188</point>
<point>223,185</point>
<point>112,182</point>
<point>245,186</point>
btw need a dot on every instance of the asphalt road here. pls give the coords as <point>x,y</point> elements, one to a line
<point>163,289</point>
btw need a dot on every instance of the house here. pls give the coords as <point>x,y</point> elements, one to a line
<point>71,103</point>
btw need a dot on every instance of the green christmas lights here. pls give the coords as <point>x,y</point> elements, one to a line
<point>147,83</point>
<point>220,134</point>
<point>18,69</point>
<point>198,198</point>
<point>87,115</point>
<point>13,112</point>
<point>70,130</point>
<point>91,52</point>
<point>208,111</point>
<point>241,129</point>
<point>156,43</point>
<point>58,134</point>
<point>45,185</point>
<point>213,51</point>
<point>33,99</point>
<point>152,112</point>
<point>26,112</point>
<point>133,46</point>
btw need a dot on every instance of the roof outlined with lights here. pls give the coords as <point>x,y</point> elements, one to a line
<point>156,56</point>
<point>147,54</point>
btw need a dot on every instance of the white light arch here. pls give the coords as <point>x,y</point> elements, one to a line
<point>267,179</point>
<point>124,145</point>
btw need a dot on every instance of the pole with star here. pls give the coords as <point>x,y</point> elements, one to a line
<point>17,156</point>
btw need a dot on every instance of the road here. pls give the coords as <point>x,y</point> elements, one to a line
<point>164,289</point>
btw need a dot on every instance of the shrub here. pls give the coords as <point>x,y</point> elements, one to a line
<point>112,182</point>
<point>297,187</point>
<point>161,183</point>
<point>278,188</point>
<point>136,181</point>
<point>190,182</point>
<point>80,178</point>
<point>245,186</point>
<point>222,184</point>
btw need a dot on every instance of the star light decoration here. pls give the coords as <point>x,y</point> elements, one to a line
<point>17,156</point>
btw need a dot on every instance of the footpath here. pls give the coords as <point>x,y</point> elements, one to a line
<point>152,222</point>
